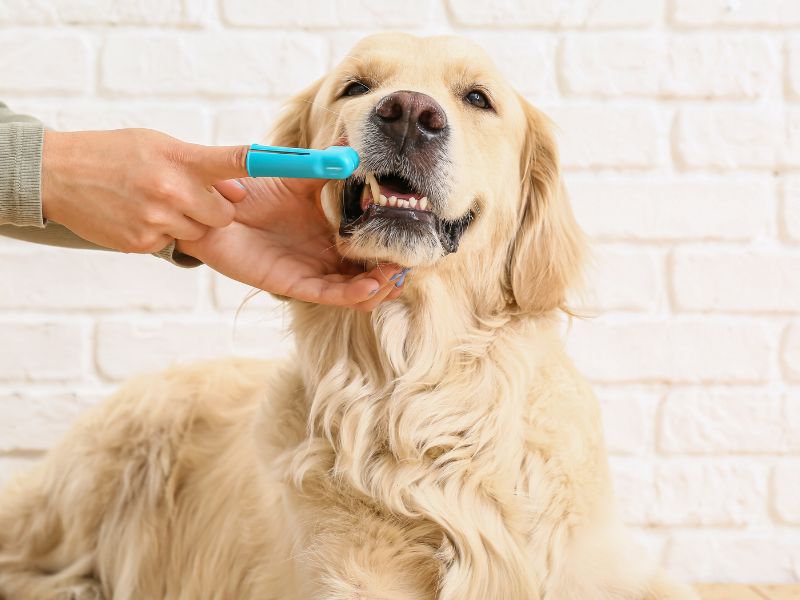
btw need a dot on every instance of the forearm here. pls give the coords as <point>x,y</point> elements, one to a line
<point>21,139</point>
<point>21,214</point>
<point>53,234</point>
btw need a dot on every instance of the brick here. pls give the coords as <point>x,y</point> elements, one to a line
<point>38,62</point>
<point>790,154</point>
<point>634,488</point>
<point>526,61</point>
<point>790,353</point>
<point>613,64</point>
<point>28,12</point>
<point>11,466</point>
<point>794,66</point>
<point>332,14</point>
<point>101,12</point>
<point>124,347</point>
<point>691,66</point>
<point>623,278</point>
<point>736,280</point>
<point>676,350</point>
<point>701,13</point>
<point>188,123</point>
<point>687,494</point>
<point>41,350</point>
<point>71,280</point>
<point>245,124</point>
<point>37,421</point>
<point>231,295</point>
<point>685,209</point>
<point>792,420</point>
<point>790,223</point>
<point>736,557</point>
<point>628,420</point>
<point>603,136</point>
<point>786,492</point>
<point>652,542</point>
<point>722,66</point>
<point>706,422</point>
<point>216,64</point>
<point>709,494</point>
<point>580,13</point>
<point>727,138</point>
<point>125,12</point>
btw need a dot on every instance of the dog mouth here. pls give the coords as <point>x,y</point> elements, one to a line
<point>390,201</point>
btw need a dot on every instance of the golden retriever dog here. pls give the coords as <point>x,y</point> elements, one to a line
<point>442,446</point>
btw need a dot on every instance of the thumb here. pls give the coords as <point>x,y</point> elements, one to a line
<point>219,162</point>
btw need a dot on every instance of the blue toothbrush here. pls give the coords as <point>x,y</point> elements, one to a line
<point>336,162</point>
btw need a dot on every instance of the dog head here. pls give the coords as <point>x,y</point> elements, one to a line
<point>457,169</point>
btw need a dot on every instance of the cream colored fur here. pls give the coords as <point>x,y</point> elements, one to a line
<point>442,446</point>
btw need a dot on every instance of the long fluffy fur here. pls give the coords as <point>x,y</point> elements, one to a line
<point>442,447</point>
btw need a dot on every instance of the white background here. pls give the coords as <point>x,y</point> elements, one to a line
<point>680,130</point>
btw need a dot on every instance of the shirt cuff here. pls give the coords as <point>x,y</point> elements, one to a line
<point>177,258</point>
<point>21,174</point>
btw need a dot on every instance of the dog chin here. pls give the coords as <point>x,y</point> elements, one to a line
<point>380,242</point>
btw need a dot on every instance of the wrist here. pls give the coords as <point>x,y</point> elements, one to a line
<point>51,149</point>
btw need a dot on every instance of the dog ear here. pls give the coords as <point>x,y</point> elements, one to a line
<point>292,127</point>
<point>548,249</point>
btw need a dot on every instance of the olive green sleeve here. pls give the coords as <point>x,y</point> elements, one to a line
<point>20,169</point>
<point>21,141</point>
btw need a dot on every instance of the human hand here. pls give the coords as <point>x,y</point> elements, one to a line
<point>281,242</point>
<point>136,190</point>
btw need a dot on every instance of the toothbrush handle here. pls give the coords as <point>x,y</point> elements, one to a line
<point>336,162</point>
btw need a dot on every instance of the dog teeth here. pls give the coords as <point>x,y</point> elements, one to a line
<point>374,188</point>
<point>371,194</point>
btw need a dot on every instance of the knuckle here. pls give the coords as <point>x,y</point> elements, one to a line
<point>143,242</point>
<point>163,189</point>
<point>154,216</point>
<point>239,157</point>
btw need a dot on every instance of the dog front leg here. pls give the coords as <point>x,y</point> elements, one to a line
<point>364,557</point>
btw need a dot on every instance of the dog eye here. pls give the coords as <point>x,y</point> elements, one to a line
<point>478,99</point>
<point>355,89</point>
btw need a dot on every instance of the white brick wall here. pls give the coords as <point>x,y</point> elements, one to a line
<point>679,123</point>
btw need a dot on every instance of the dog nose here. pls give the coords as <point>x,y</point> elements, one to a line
<point>410,117</point>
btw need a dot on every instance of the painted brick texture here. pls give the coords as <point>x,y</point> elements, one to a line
<point>679,127</point>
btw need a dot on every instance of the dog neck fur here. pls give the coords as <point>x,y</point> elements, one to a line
<point>420,409</point>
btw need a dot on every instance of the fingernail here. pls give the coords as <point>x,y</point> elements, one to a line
<point>373,292</point>
<point>240,184</point>
<point>402,279</point>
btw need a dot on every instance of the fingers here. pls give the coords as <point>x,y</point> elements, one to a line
<point>392,281</point>
<point>219,162</point>
<point>210,207</point>
<point>187,229</point>
<point>231,189</point>
<point>363,292</point>
<point>332,293</point>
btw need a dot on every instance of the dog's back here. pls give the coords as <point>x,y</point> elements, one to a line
<point>160,479</point>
